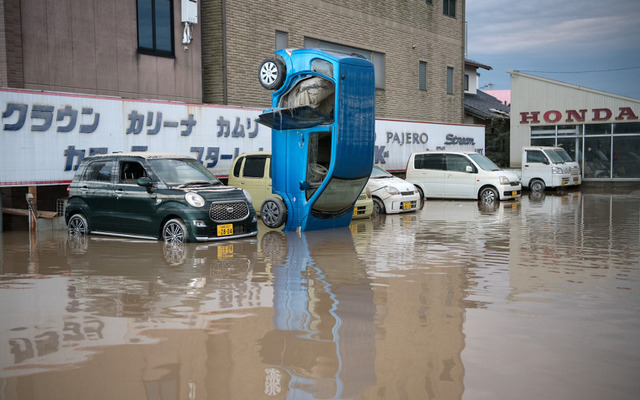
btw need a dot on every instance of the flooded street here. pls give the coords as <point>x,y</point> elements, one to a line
<point>534,299</point>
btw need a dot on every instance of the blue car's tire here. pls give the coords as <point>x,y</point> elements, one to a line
<point>273,212</point>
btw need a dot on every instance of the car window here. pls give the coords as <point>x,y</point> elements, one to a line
<point>378,172</point>
<point>535,156</point>
<point>99,171</point>
<point>237,166</point>
<point>254,167</point>
<point>456,162</point>
<point>483,162</point>
<point>130,171</point>
<point>428,161</point>
<point>182,172</point>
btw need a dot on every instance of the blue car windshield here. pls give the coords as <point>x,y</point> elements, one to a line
<point>175,172</point>
<point>338,197</point>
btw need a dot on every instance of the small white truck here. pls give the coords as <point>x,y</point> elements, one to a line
<point>548,167</point>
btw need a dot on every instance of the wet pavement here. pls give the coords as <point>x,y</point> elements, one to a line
<point>534,299</point>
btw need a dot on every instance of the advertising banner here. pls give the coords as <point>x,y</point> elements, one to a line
<point>45,135</point>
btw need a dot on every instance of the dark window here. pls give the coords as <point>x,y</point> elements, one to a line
<point>466,82</point>
<point>254,167</point>
<point>428,161</point>
<point>155,27</point>
<point>456,162</point>
<point>535,156</point>
<point>99,171</point>
<point>131,171</point>
<point>236,168</point>
<point>449,8</point>
<point>449,80</point>
<point>422,78</point>
<point>282,40</point>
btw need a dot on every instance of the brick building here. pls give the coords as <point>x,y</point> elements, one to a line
<point>93,48</point>
<point>418,51</point>
<point>208,53</point>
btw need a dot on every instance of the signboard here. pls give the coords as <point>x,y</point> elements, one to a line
<point>46,135</point>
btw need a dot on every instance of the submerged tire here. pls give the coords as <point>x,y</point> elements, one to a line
<point>537,185</point>
<point>489,195</point>
<point>174,231</point>
<point>78,225</point>
<point>273,212</point>
<point>378,206</point>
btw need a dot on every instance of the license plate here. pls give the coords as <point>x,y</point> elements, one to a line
<point>514,193</point>
<point>355,211</point>
<point>406,205</point>
<point>225,230</point>
<point>225,251</point>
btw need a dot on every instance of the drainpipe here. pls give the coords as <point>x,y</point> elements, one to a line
<point>225,78</point>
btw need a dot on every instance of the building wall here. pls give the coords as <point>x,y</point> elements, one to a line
<point>91,47</point>
<point>531,94</point>
<point>405,32</point>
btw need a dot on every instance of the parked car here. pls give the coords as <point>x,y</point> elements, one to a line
<point>252,172</point>
<point>461,175</point>
<point>391,195</point>
<point>156,196</point>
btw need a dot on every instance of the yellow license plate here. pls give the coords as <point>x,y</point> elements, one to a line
<point>514,193</point>
<point>225,230</point>
<point>406,205</point>
<point>225,251</point>
<point>355,211</point>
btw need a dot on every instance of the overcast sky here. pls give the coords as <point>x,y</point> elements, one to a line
<point>590,43</point>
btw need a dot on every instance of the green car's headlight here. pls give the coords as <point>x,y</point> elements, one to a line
<point>194,199</point>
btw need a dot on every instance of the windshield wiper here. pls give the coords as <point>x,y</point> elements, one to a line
<point>197,183</point>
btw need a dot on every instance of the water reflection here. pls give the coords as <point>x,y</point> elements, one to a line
<point>324,335</point>
<point>523,299</point>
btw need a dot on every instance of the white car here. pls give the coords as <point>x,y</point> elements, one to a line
<point>391,195</point>
<point>461,175</point>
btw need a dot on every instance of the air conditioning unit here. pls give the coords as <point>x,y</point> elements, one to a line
<point>190,11</point>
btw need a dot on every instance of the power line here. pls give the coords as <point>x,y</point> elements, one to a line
<point>580,72</point>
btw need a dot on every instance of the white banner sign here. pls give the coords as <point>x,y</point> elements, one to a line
<point>46,135</point>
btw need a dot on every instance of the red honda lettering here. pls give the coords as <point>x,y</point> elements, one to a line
<point>579,117</point>
<point>601,114</point>
<point>524,116</point>
<point>626,112</point>
<point>552,116</point>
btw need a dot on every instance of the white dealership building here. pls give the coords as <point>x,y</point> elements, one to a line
<point>600,130</point>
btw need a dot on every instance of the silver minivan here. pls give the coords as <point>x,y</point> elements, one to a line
<point>461,175</point>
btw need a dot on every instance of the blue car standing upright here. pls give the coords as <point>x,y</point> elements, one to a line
<point>322,140</point>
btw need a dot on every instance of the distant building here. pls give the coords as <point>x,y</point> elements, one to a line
<point>600,130</point>
<point>483,109</point>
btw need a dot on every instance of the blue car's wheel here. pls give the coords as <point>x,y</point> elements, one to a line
<point>272,73</point>
<point>273,212</point>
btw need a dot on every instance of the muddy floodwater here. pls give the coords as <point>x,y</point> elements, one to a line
<point>535,299</point>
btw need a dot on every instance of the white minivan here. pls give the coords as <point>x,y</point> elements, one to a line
<point>460,175</point>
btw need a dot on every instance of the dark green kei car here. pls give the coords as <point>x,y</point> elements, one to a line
<point>156,196</point>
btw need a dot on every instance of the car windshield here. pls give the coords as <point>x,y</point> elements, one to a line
<point>563,154</point>
<point>483,162</point>
<point>338,196</point>
<point>182,172</point>
<point>379,173</point>
<point>554,156</point>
